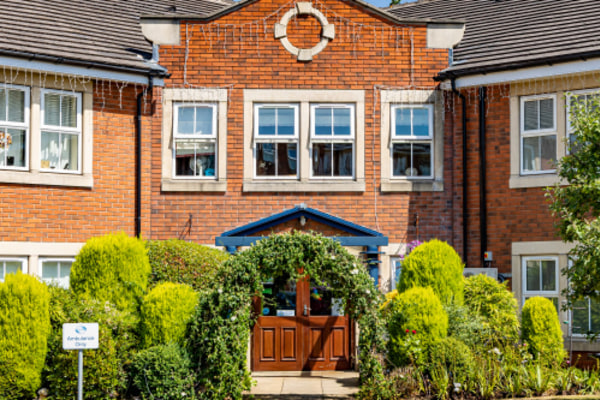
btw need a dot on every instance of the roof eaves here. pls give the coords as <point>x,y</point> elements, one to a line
<point>453,73</point>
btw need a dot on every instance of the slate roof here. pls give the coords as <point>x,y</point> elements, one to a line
<point>95,33</point>
<point>511,34</point>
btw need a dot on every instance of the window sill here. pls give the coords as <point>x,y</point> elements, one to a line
<point>304,186</point>
<point>181,185</point>
<point>530,181</point>
<point>582,344</point>
<point>47,179</point>
<point>411,186</point>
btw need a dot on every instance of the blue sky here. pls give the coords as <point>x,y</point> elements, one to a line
<point>384,3</point>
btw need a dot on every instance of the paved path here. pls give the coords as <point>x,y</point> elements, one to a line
<point>314,385</point>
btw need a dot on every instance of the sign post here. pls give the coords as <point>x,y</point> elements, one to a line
<point>80,337</point>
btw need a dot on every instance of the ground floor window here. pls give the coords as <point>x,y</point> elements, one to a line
<point>56,271</point>
<point>540,278</point>
<point>11,266</point>
<point>396,268</point>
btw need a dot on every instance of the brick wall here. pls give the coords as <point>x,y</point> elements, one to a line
<point>367,53</point>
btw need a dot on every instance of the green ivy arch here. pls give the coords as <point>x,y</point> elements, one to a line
<point>221,330</point>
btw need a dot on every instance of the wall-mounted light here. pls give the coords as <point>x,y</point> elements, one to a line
<point>302,220</point>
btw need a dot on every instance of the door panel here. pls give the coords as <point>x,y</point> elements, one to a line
<point>289,344</point>
<point>267,344</point>
<point>315,344</point>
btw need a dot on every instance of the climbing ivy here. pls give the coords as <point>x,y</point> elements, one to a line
<point>219,335</point>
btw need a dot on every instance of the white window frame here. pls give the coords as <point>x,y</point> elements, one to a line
<point>78,130</point>
<point>17,125</point>
<point>542,293</point>
<point>395,264</point>
<point>394,139</point>
<point>570,95</point>
<point>199,138</point>
<point>60,281</point>
<point>333,139</point>
<point>536,132</point>
<point>276,138</point>
<point>3,260</point>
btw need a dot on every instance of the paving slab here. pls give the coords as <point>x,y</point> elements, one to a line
<point>304,385</point>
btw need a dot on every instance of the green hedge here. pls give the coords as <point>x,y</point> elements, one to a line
<point>420,310</point>
<point>105,373</point>
<point>165,313</point>
<point>24,330</point>
<point>434,264</point>
<point>540,329</point>
<point>184,262</point>
<point>112,268</point>
<point>496,305</point>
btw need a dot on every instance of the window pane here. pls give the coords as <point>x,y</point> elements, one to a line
<point>421,159</point>
<point>342,159</point>
<point>580,317</point>
<point>185,120</point>
<point>323,121</point>
<point>266,121</point>
<point>2,105</point>
<point>204,120</point>
<point>12,267</point>
<point>403,122</point>
<point>595,316</point>
<point>420,122</point>
<point>533,275</point>
<point>285,121</point>
<point>548,275</point>
<point>194,159</point>
<point>548,152</point>
<point>341,122</point>
<point>320,299</point>
<point>69,111</point>
<point>51,109</point>
<point>50,155</point>
<point>321,159</point>
<point>530,110</point>
<point>50,270</point>
<point>279,297</point>
<point>16,106</point>
<point>65,269</point>
<point>69,148</point>
<point>265,159</point>
<point>401,158</point>
<point>286,157</point>
<point>547,114</point>
<point>17,143</point>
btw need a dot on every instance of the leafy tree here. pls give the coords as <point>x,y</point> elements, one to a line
<point>576,199</point>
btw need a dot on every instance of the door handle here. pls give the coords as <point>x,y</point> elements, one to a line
<point>305,313</point>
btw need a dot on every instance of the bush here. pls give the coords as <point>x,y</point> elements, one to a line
<point>112,268</point>
<point>184,262</point>
<point>467,326</point>
<point>165,313</point>
<point>420,310</point>
<point>496,305</point>
<point>434,264</point>
<point>105,374</point>
<point>452,354</point>
<point>24,330</point>
<point>541,330</point>
<point>163,372</point>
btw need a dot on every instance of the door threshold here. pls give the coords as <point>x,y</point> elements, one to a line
<point>303,373</point>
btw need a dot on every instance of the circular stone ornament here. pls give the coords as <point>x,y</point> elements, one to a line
<point>304,8</point>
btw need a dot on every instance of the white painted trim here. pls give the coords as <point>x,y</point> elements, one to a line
<point>63,69</point>
<point>523,74</point>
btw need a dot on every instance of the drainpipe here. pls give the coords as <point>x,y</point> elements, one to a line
<point>482,168</point>
<point>138,157</point>
<point>464,167</point>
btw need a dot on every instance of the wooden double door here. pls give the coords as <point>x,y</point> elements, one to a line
<point>300,327</point>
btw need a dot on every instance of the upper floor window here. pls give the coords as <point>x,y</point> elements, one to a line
<point>14,127</point>
<point>11,266</point>
<point>332,140</point>
<point>540,278</point>
<point>412,141</point>
<point>195,140</point>
<point>276,135</point>
<point>585,98</point>
<point>61,129</point>
<point>56,270</point>
<point>538,134</point>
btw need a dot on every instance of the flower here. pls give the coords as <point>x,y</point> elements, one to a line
<point>408,330</point>
<point>414,332</point>
<point>220,290</point>
<point>354,271</point>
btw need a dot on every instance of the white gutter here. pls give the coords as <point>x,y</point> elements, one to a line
<point>64,69</point>
<point>523,74</point>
